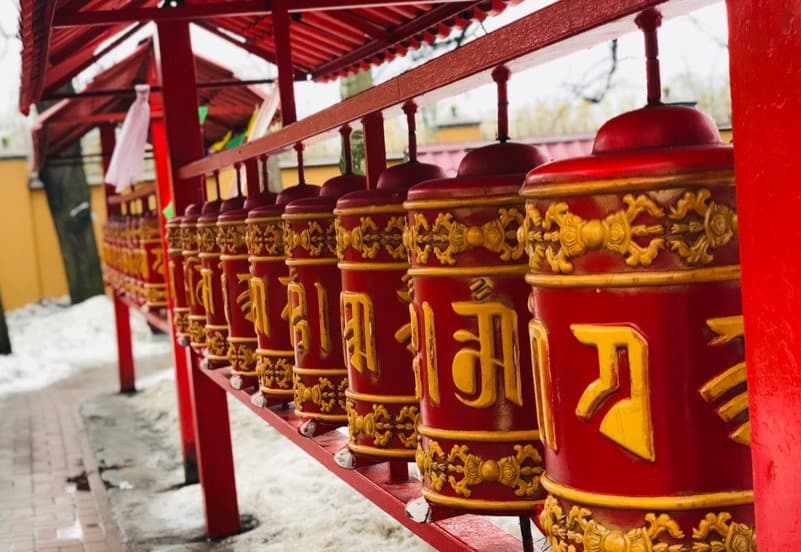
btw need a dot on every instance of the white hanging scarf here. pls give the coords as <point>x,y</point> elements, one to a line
<point>128,160</point>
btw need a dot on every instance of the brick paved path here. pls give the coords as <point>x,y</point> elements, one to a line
<point>45,465</point>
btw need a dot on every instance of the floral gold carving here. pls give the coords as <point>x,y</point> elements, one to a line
<point>274,372</point>
<point>265,240</point>
<point>216,344</point>
<point>242,356</point>
<point>368,239</point>
<point>694,226</point>
<point>324,394</point>
<point>716,225</point>
<point>463,470</point>
<point>576,531</point>
<point>380,425</point>
<point>231,238</point>
<point>207,239</point>
<point>314,239</point>
<point>448,237</point>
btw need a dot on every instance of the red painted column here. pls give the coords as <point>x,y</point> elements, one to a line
<point>764,46</point>
<point>158,138</point>
<point>209,406</point>
<point>283,60</point>
<point>122,316</point>
<point>375,150</point>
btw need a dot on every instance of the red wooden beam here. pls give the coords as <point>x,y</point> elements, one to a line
<point>194,12</point>
<point>61,73</point>
<point>88,18</point>
<point>299,72</point>
<point>552,32</point>
<point>465,532</point>
<point>227,83</point>
<point>764,41</point>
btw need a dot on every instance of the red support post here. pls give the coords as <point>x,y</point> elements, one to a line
<point>283,55</point>
<point>252,176</point>
<point>161,160</point>
<point>185,144</point>
<point>375,150</point>
<point>122,315</point>
<point>764,42</point>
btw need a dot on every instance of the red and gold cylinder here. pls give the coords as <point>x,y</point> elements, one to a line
<point>319,374</point>
<point>176,280</point>
<point>268,292</point>
<point>637,340</point>
<point>193,281</point>
<point>236,292</point>
<point>151,265</point>
<point>383,409</point>
<point>216,327</point>
<point>479,449</point>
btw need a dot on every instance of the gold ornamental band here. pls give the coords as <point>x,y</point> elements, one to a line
<point>199,318</point>
<point>636,279</point>
<point>664,503</point>
<point>383,453</point>
<point>478,435</point>
<point>178,310</point>
<point>243,257</point>
<point>259,220</point>
<point>257,259</point>
<point>216,358</point>
<point>318,372</point>
<point>197,344</point>
<point>385,399</point>
<point>240,222</point>
<point>632,184</point>
<point>311,262</point>
<point>321,417</point>
<point>307,216</point>
<point>370,210</point>
<point>494,270</point>
<point>206,255</point>
<point>218,327</point>
<point>241,339</point>
<point>189,252</point>
<point>479,504</point>
<point>424,204</point>
<point>277,392</point>
<point>174,251</point>
<point>207,224</point>
<point>358,265</point>
<point>275,352</point>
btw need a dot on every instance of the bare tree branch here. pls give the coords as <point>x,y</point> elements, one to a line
<point>581,88</point>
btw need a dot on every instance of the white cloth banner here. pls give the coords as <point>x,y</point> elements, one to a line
<point>128,160</point>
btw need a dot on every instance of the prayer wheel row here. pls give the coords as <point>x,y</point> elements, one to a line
<point>571,350</point>
<point>133,259</point>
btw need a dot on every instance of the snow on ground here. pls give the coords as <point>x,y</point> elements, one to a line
<point>52,340</point>
<point>297,503</point>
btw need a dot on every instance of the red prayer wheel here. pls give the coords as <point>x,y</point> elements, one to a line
<point>320,375</point>
<point>637,339</point>
<point>268,290</point>
<point>216,327</point>
<point>383,409</point>
<point>175,253</point>
<point>479,449</point>
<point>193,282</point>
<point>239,308</point>
<point>152,262</point>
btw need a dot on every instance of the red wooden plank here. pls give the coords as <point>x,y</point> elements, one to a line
<point>552,32</point>
<point>764,42</point>
<point>465,532</point>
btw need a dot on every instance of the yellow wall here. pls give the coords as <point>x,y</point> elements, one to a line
<point>32,268</point>
<point>457,134</point>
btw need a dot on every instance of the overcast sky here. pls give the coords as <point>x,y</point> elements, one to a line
<point>688,44</point>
